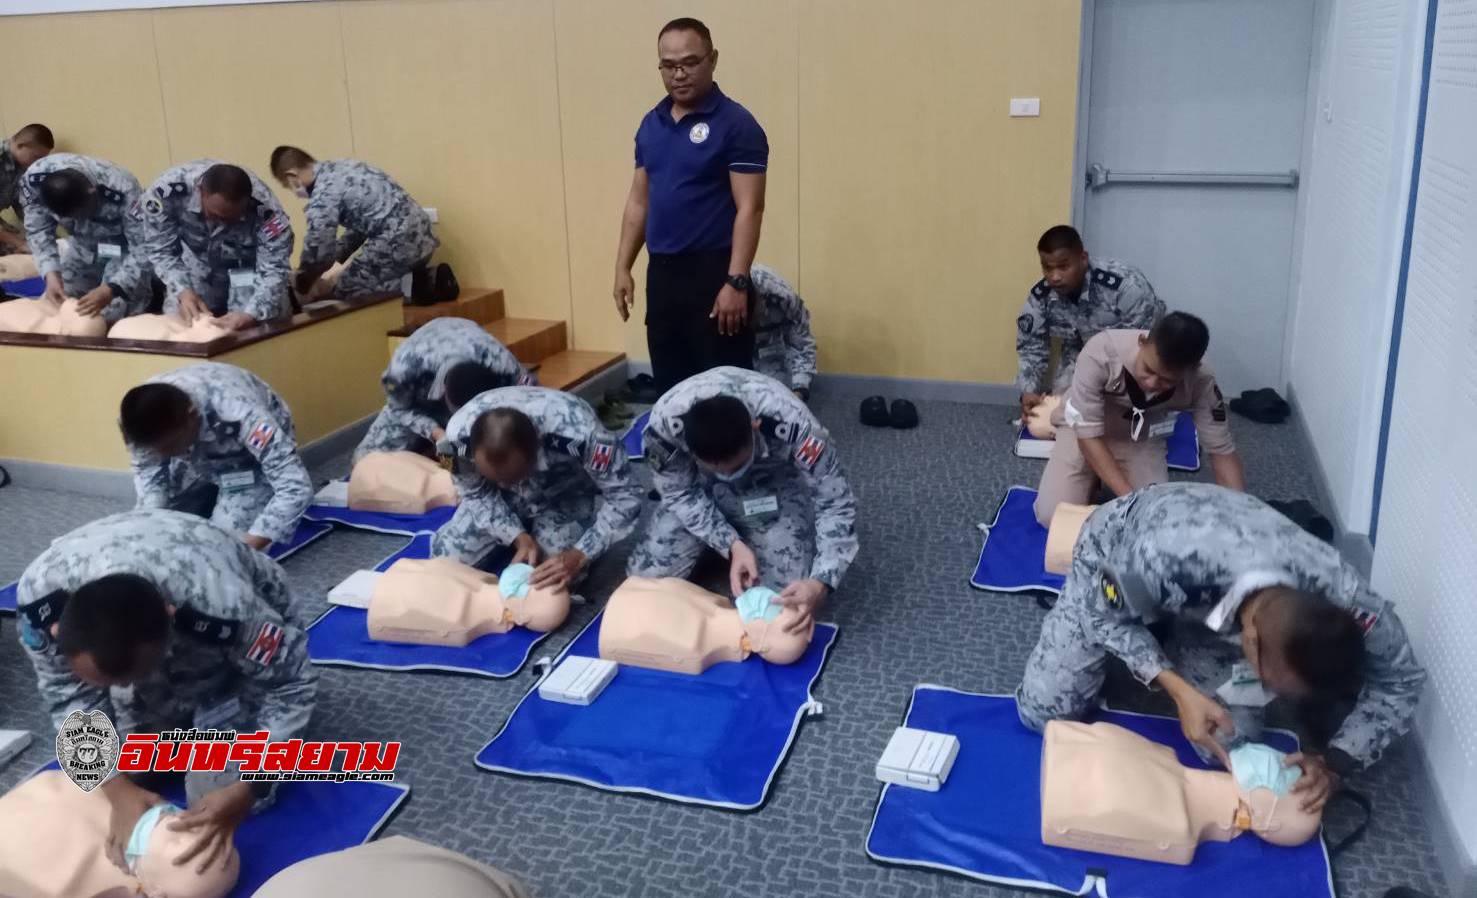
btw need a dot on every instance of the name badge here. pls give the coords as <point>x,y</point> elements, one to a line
<point>243,277</point>
<point>1162,429</point>
<point>761,505</point>
<point>237,480</point>
<point>109,251</point>
<point>217,716</point>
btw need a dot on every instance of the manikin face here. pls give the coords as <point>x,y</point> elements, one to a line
<point>217,208</point>
<point>1150,372</point>
<point>508,472</point>
<point>1065,270</point>
<point>687,65</point>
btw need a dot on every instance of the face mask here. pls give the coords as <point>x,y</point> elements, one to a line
<point>756,604</point>
<point>735,475</point>
<point>1258,766</point>
<point>513,582</point>
<point>138,841</point>
<point>301,191</point>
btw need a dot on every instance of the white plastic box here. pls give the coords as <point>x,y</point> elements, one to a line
<point>577,680</point>
<point>918,759</point>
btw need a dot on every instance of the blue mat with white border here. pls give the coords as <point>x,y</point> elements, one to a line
<point>1181,449</point>
<point>1013,556</point>
<point>380,522</point>
<point>635,439</point>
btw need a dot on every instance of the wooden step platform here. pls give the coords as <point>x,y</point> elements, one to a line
<point>479,304</point>
<point>572,367</point>
<point>531,340</point>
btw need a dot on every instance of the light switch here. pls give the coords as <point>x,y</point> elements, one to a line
<point>1025,106</point>
<point>431,213</point>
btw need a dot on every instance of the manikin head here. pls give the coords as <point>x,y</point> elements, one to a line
<point>169,328</point>
<point>1302,647</point>
<point>225,193</point>
<point>1061,538</point>
<point>400,483</point>
<point>1038,419</point>
<point>464,381</point>
<point>765,627</point>
<point>1064,261</point>
<point>294,169</point>
<point>161,845</point>
<point>721,434</point>
<point>113,631</point>
<point>69,193</point>
<point>159,417</point>
<point>687,59</point>
<point>31,143</point>
<point>41,316</point>
<point>1174,346</point>
<point>504,444</point>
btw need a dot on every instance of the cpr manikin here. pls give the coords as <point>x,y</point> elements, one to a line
<point>168,328</point>
<point>51,846</point>
<point>1061,537</point>
<point>42,316</point>
<point>1038,419</point>
<point>1110,790</point>
<point>441,601</point>
<point>674,625</point>
<point>18,267</point>
<point>399,483</point>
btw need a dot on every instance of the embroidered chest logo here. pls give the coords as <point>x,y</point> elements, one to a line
<point>699,132</point>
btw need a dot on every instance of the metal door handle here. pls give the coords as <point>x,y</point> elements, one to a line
<point>1098,177</point>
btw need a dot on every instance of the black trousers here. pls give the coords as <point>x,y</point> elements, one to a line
<point>682,339</point>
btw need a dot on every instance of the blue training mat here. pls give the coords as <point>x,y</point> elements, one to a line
<point>306,820</point>
<point>716,739</point>
<point>985,823</point>
<point>340,638</point>
<point>25,287</point>
<point>1013,557</point>
<point>307,533</point>
<point>379,522</point>
<point>635,438</point>
<point>1182,449</point>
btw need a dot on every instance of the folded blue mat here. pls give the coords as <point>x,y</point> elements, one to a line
<point>307,532</point>
<point>379,522</point>
<point>306,820</point>
<point>26,287</point>
<point>717,739</point>
<point>635,438</point>
<point>1013,557</point>
<point>985,823</point>
<point>340,638</point>
<point>1182,449</point>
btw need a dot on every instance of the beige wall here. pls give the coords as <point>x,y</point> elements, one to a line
<point>903,202</point>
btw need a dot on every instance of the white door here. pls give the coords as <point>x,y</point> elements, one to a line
<point>1194,131</point>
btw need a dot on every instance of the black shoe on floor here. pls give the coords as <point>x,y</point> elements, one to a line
<point>644,389</point>
<point>1263,406</point>
<point>874,412</point>
<point>1305,515</point>
<point>421,287</point>
<point>446,288</point>
<point>904,415</point>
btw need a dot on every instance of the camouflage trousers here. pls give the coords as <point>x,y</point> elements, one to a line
<point>382,261</point>
<point>555,517</point>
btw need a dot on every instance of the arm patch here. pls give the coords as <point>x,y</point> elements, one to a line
<point>1040,291</point>
<point>1109,279</point>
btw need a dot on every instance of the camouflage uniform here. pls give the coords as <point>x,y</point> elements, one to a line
<point>10,187</point>
<point>247,446</point>
<point>582,495</point>
<point>1196,550</point>
<point>390,230</point>
<point>413,381</point>
<point>236,656</point>
<point>793,507</point>
<point>106,247</point>
<point>1113,295</point>
<point>239,266</point>
<point>784,347</point>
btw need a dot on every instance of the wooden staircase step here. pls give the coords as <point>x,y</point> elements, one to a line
<point>572,367</point>
<point>530,340</point>
<point>480,304</point>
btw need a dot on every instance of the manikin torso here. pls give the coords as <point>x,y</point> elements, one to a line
<point>18,267</point>
<point>441,601</point>
<point>673,625</point>
<point>51,846</point>
<point>1110,790</point>
<point>168,328</point>
<point>1061,537</point>
<point>400,483</point>
<point>41,316</point>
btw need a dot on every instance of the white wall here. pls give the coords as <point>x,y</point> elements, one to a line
<point>1356,186</point>
<point>1426,555</point>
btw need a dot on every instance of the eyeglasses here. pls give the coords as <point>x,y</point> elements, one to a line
<point>685,65</point>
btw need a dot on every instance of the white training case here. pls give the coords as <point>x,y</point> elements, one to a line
<point>577,680</point>
<point>918,759</point>
<point>12,743</point>
<point>334,494</point>
<point>356,589</point>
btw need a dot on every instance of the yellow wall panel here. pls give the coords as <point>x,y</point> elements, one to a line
<point>92,79</point>
<point>458,100</point>
<point>921,199</point>
<point>608,80</point>
<point>238,81</point>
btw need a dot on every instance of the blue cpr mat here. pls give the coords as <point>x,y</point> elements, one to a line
<point>380,522</point>
<point>26,287</point>
<point>306,820</point>
<point>307,532</point>
<point>985,823</point>
<point>1013,557</point>
<point>635,438</point>
<point>341,638</point>
<point>1182,449</point>
<point>716,739</point>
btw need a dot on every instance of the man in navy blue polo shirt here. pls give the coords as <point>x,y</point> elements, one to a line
<point>696,201</point>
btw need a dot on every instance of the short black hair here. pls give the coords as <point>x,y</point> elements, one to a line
<point>501,432</point>
<point>687,23</point>
<point>1324,646</point>
<point>65,191</point>
<point>151,412</point>
<point>1058,238</point>
<point>110,619</point>
<point>466,380</point>
<point>285,157</point>
<point>718,428</point>
<point>38,134</point>
<point>1180,339</point>
<point>227,180</point>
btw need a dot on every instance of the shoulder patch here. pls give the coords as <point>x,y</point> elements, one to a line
<point>1040,290</point>
<point>561,445</point>
<point>809,451</point>
<point>1365,618</point>
<point>206,627</point>
<point>1025,324</point>
<point>109,194</point>
<point>264,643</point>
<point>1109,279</point>
<point>153,204</point>
<point>602,455</point>
<point>273,225</point>
<point>261,434</point>
<point>45,611</point>
<point>789,431</point>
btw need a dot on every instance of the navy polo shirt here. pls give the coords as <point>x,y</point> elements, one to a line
<point>690,204</point>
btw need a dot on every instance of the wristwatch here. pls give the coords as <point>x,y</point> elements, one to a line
<point>740,282</point>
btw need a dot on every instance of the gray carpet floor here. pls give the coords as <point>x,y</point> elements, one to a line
<point>907,615</point>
